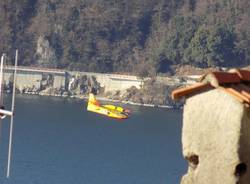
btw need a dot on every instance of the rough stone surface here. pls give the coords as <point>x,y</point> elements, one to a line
<point>45,54</point>
<point>216,138</point>
<point>83,85</point>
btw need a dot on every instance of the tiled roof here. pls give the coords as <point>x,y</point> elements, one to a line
<point>234,82</point>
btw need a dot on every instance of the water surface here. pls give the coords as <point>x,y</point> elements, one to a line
<point>56,141</point>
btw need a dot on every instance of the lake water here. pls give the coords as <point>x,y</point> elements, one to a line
<point>56,141</point>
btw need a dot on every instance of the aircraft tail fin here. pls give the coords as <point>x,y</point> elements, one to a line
<point>92,99</point>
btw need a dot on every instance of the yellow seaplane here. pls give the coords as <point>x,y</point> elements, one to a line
<point>111,111</point>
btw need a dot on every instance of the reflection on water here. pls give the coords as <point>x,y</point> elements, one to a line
<point>57,141</point>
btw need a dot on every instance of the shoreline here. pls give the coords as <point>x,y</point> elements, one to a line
<point>126,89</point>
<point>105,99</point>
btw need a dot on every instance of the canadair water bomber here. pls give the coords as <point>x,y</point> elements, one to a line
<point>111,111</point>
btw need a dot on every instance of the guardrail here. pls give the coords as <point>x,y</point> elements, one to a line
<point>35,69</point>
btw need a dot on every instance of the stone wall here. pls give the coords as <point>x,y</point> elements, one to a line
<point>216,139</point>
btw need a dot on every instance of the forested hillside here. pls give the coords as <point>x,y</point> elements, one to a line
<point>144,37</point>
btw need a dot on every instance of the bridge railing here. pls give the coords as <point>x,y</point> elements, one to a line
<point>35,69</point>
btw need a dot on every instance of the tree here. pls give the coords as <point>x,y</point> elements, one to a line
<point>213,47</point>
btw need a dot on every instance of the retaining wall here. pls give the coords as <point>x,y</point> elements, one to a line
<point>28,77</point>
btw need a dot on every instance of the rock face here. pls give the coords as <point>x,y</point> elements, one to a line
<point>45,55</point>
<point>216,139</point>
<point>83,85</point>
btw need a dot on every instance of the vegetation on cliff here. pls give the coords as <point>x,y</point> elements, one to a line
<point>143,37</point>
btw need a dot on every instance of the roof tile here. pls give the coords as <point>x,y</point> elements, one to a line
<point>236,93</point>
<point>235,82</point>
<point>244,75</point>
<point>178,93</point>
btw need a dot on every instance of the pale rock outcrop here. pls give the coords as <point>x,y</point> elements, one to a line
<point>45,54</point>
<point>82,85</point>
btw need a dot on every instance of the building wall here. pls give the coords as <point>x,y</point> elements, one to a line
<point>216,132</point>
<point>244,148</point>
